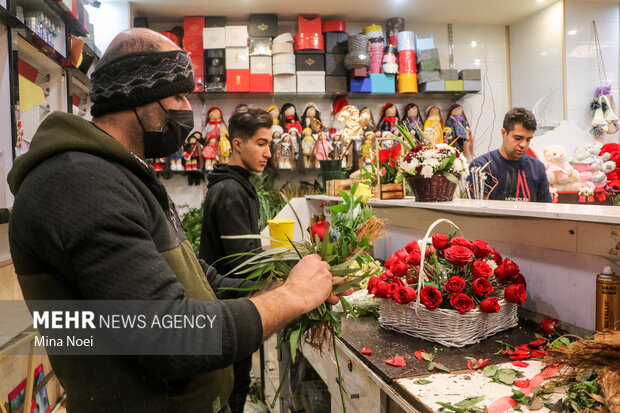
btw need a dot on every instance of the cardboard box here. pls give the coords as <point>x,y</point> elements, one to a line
<point>283,69</point>
<point>333,26</point>
<point>237,58</point>
<point>336,84</point>
<point>215,21</point>
<point>221,53</point>
<point>261,65</point>
<point>436,86</point>
<point>470,74</point>
<point>282,48</point>
<point>310,42</point>
<point>263,25</point>
<point>192,26</point>
<point>449,74</point>
<point>262,83</point>
<point>310,62</point>
<point>214,38</point>
<point>193,46</point>
<point>260,46</point>
<point>334,64</point>
<point>432,76</point>
<point>428,65</point>
<point>285,83</point>
<point>408,83</point>
<point>454,85</point>
<point>337,42</point>
<point>472,85</point>
<point>428,54</point>
<point>310,82</point>
<point>284,59</point>
<point>236,36</point>
<point>238,80</point>
<point>424,43</point>
<point>382,83</point>
<point>360,84</point>
<point>310,24</point>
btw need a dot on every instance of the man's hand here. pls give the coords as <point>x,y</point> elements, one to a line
<point>309,283</point>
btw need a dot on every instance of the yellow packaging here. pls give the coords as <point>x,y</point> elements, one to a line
<point>280,229</point>
<point>408,83</point>
<point>372,28</point>
<point>454,85</point>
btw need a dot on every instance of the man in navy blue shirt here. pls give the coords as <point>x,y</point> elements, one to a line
<point>510,174</point>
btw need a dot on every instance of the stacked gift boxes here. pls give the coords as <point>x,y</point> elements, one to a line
<point>309,45</point>
<point>237,59</point>
<point>263,28</point>
<point>214,43</point>
<point>284,79</point>
<point>192,44</point>
<point>429,75</point>
<point>407,68</point>
<point>380,82</point>
<point>471,80</point>
<point>357,61</point>
<point>336,48</point>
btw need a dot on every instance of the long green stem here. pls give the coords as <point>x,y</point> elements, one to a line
<point>282,380</point>
<point>340,382</point>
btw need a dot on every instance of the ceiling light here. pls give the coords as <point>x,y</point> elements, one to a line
<point>477,62</point>
<point>572,32</point>
<point>474,43</point>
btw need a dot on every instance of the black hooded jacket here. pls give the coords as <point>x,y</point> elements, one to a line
<point>231,208</point>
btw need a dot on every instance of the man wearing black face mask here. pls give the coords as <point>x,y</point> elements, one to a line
<point>91,221</point>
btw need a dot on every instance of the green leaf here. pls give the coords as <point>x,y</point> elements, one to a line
<point>565,341</point>
<point>448,406</point>
<point>469,402</point>
<point>428,356</point>
<point>490,371</point>
<point>519,396</point>
<point>294,338</point>
<point>450,177</point>
<point>507,376</point>
<point>422,382</point>
<point>441,367</point>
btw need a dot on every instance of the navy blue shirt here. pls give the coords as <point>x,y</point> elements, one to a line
<point>522,180</point>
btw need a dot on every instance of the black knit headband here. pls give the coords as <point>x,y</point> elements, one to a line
<point>136,79</point>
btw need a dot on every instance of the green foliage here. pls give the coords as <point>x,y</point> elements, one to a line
<point>578,393</point>
<point>464,406</point>
<point>192,225</point>
<point>617,200</point>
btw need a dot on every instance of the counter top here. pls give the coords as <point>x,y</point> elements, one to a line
<point>569,212</point>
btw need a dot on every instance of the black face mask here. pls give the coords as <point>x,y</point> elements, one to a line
<point>176,129</point>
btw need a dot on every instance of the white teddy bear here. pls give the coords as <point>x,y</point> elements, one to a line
<point>591,165</point>
<point>561,175</point>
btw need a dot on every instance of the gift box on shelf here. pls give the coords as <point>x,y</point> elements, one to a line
<point>360,72</point>
<point>335,83</point>
<point>260,82</point>
<point>261,65</point>
<point>360,84</point>
<point>424,43</point>
<point>216,70</point>
<point>311,42</point>
<point>428,54</point>
<point>336,42</point>
<point>449,74</point>
<point>309,24</point>
<point>314,62</point>
<point>215,21</point>
<point>284,64</point>
<point>237,58</point>
<point>215,84</point>
<point>214,38</point>
<point>282,48</point>
<point>435,86</point>
<point>260,46</point>
<point>408,83</point>
<point>407,61</point>
<point>470,74</point>
<point>238,80</point>
<point>428,65</point>
<point>236,36</point>
<point>221,53</point>
<point>334,64</point>
<point>472,85</point>
<point>333,26</point>
<point>284,83</point>
<point>454,85</point>
<point>192,26</point>
<point>310,82</point>
<point>199,83</point>
<point>215,61</point>
<point>432,76</point>
<point>193,46</point>
<point>263,25</point>
<point>173,37</point>
<point>382,83</point>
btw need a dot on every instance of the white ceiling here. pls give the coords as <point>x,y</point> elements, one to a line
<point>414,11</point>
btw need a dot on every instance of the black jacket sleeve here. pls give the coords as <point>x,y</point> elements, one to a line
<point>218,281</point>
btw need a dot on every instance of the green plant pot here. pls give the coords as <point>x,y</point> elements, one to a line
<point>331,170</point>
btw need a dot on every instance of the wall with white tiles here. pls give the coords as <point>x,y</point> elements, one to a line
<point>536,63</point>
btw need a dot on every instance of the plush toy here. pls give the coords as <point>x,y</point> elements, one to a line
<point>613,177</point>
<point>193,149</point>
<point>289,118</point>
<point>561,175</point>
<point>285,155</point>
<point>322,147</point>
<point>223,147</point>
<point>604,119</point>
<point>412,120</point>
<point>389,118</point>
<point>274,112</point>
<point>591,165</point>
<point>215,123</point>
<point>433,125</point>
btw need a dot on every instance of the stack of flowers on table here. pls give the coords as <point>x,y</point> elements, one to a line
<point>468,290</point>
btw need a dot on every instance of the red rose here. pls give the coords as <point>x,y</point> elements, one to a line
<point>391,260</point>
<point>319,228</point>
<point>454,285</point>
<point>506,271</point>
<point>381,289</point>
<point>481,269</point>
<point>489,305</point>
<point>430,251</point>
<point>548,325</point>
<point>462,242</point>
<point>482,287</point>
<point>430,297</point>
<point>396,283</point>
<point>462,303</point>
<point>440,241</point>
<point>412,246</point>
<point>404,295</point>
<point>402,254</point>
<point>384,155</point>
<point>519,279</point>
<point>414,258</point>
<point>481,249</point>
<point>387,274</point>
<point>458,255</point>
<point>515,293</point>
<point>372,283</point>
<point>496,257</point>
<point>399,269</point>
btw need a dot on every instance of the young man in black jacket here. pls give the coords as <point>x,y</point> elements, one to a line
<point>231,208</point>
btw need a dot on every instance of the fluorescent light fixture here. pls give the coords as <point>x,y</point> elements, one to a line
<point>474,43</point>
<point>571,32</point>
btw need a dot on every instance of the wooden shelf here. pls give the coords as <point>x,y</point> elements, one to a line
<point>454,96</point>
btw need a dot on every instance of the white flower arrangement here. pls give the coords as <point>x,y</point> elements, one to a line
<point>427,160</point>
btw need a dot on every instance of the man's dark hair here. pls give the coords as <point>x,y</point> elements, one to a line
<point>519,116</point>
<point>244,124</point>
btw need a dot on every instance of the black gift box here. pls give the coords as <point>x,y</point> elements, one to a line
<point>336,42</point>
<point>221,53</point>
<point>215,61</point>
<point>310,62</point>
<point>334,64</point>
<point>335,83</point>
<point>215,21</point>
<point>216,70</point>
<point>263,25</point>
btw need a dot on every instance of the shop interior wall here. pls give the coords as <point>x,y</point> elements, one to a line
<point>6,143</point>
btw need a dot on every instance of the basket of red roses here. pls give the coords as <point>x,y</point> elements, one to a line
<point>468,292</point>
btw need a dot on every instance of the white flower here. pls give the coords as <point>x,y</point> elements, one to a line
<point>427,171</point>
<point>444,146</point>
<point>457,166</point>
<point>414,163</point>
<point>432,162</point>
<point>491,264</point>
<point>428,154</point>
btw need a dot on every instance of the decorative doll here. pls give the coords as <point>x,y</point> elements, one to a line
<point>210,153</point>
<point>276,134</point>
<point>412,120</point>
<point>366,151</point>
<point>223,147</point>
<point>389,118</point>
<point>322,148</point>
<point>460,130</point>
<point>159,164</point>
<point>433,126</point>
<point>388,140</point>
<point>311,118</point>
<point>366,112</point>
<point>337,144</point>
<point>191,154</point>
<point>215,123</point>
<point>289,118</point>
<point>296,141</point>
<point>285,155</point>
<point>274,112</point>
<point>307,146</point>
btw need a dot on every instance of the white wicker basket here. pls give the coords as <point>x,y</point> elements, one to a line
<point>445,326</point>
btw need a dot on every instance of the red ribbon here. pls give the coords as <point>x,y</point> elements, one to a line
<point>391,119</point>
